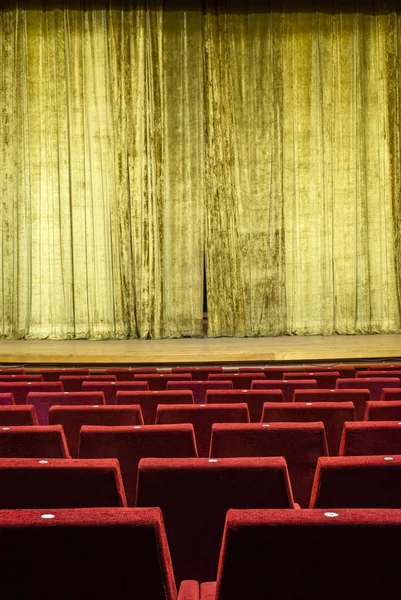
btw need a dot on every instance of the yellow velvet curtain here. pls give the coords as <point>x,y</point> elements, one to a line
<point>142,138</point>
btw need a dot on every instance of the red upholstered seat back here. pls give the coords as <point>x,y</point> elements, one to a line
<point>332,414</point>
<point>383,410</point>
<point>127,373</point>
<point>324,379</point>
<point>299,443</point>
<point>150,400</point>
<point>110,388</point>
<point>7,377</point>
<point>301,554</point>
<point>373,384</point>
<point>240,381</point>
<point>357,482</point>
<point>22,415</point>
<point>159,381</point>
<point>6,399</point>
<point>195,495</point>
<point>60,483</point>
<point>20,390</point>
<point>130,444</point>
<point>356,396</point>
<point>198,373</point>
<point>33,442</point>
<point>287,387</point>
<point>385,366</point>
<point>12,370</point>
<point>43,401</point>
<point>91,553</point>
<point>73,383</point>
<point>199,388</point>
<point>391,394</point>
<point>254,399</point>
<point>202,417</point>
<point>54,374</point>
<point>72,418</point>
<point>371,437</point>
<point>379,373</point>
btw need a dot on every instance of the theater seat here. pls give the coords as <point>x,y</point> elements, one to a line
<point>111,388</point>
<point>149,401</point>
<point>21,389</point>
<point>21,415</point>
<point>254,399</point>
<point>159,381</point>
<point>286,386</point>
<point>202,417</point>
<point>199,388</point>
<point>72,418</point>
<point>300,444</point>
<point>347,554</point>
<point>130,444</point>
<point>383,411</point>
<point>54,374</point>
<point>194,495</point>
<point>6,399</point>
<point>324,379</point>
<point>127,373</point>
<point>12,371</point>
<point>357,482</point>
<point>5,377</point>
<point>33,442</point>
<point>379,373</point>
<point>87,554</point>
<point>198,373</point>
<point>390,394</point>
<point>332,414</point>
<point>357,397</point>
<point>60,483</point>
<point>43,401</point>
<point>368,438</point>
<point>240,381</point>
<point>73,383</point>
<point>373,384</point>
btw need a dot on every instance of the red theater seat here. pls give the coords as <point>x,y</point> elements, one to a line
<point>344,370</point>
<point>287,387</point>
<point>21,389</point>
<point>12,371</point>
<point>368,438</point>
<point>357,397</point>
<point>240,381</point>
<point>60,483</point>
<point>149,401</point>
<point>254,399</point>
<point>202,417</point>
<point>73,383</point>
<point>381,373</point>
<point>72,418</point>
<point>6,399</point>
<point>56,373</point>
<point>130,444</point>
<point>43,401</point>
<point>6,377</point>
<point>390,394</point>
<point>159,381</point>
<point>127,373</point>
<point>87,554</point>
<point>324,379</point>
<point>277,372</point>
<point>33,442</point>
<point>332,414</point>
<point>357,482</point>
<point>373,384</point>
<point>198,373</point>
<point>384,366</point>
<point>348,554</point>
<point>383,411</point>
<point>22,415</point>
<point>299,443</point>
<point>199,388</point>
<point>111,388</point>
<point>194,495</point>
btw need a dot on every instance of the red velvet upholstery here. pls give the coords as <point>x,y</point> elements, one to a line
<point>6,377</point>
<point>240,381</point>
<point>390,394</point>
<point>73,383</point>
<point>379,373</point>
<point>344,370</point>
<point>87,554</point>
<point>367,438</point>
<point>6,399</point>
<point>21,389</point>
<point>384,366</point>
<point>60,483</point>
<point>332,414</point>
<point>149,401</point>
<point>198,373</point>
<point>357,397</point>
<point>194,495</point>
<point>303,554</point>
<point>43,401</point>
<point>111,388</point>
<point>33,442</point>
<point>286,386</point>
<point>276,372</point>
<point>357,482</point>
<point>373,384</point>
<point>202,417</point>
<point>12,371</point>
<point>199,388</point>
<point>127,373</point>
<point>300,443</point>
<point>130,444</point>
<point>72,418</point>
<point>324,379</point>
<point>54,374</point>
<point>383,410</point>
<point>22,415</point>
<point>159,381</point>
<point>254,399</point>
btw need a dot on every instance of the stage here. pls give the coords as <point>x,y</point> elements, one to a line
<point>285,349</point>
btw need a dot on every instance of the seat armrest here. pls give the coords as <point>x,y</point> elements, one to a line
<point>189,590</point>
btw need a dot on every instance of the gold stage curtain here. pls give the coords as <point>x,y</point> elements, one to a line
<point>142,138</point>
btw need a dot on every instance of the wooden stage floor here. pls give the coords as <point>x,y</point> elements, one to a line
<point>286,349</point>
